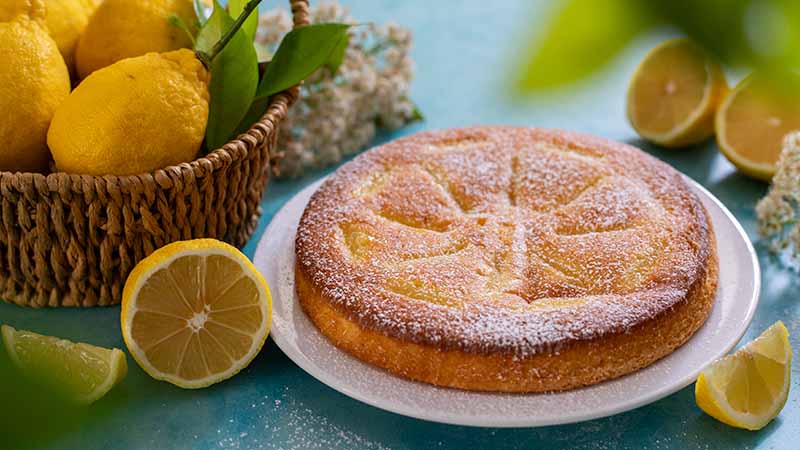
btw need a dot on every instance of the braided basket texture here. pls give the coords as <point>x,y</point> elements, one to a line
<point>71,240</point>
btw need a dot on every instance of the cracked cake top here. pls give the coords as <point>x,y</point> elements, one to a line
<point>503,238</point>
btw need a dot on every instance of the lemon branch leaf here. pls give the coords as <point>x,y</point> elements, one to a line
<point>337,55</point>
<point>235,8</point>
<point>229,53</point>
<point>301,52</point>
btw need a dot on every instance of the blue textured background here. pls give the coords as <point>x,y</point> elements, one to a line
<point>463,51</point>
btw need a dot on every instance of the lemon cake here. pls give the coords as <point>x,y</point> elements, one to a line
<point>506,259</point>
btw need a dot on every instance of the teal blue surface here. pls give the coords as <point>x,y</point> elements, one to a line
<point>463,51</point>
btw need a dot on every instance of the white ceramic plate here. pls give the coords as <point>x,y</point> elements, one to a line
<point>737,297</point>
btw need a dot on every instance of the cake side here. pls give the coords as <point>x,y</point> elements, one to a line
<point>580,363</point>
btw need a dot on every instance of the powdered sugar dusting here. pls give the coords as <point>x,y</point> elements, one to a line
<point>503,239</point>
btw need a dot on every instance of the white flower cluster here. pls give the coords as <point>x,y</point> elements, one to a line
<point>779,211</point>
<point>339,113</point>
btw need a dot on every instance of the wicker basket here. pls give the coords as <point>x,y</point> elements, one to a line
<point>71,240</point>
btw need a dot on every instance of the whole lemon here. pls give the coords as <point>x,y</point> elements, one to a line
<point>33,83</point>
<point>134,116</point>
<point>122,29</point>
<point>66,20</point>
<point>10,9</point>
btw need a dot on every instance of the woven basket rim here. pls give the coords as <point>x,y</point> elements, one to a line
<point>269,119</point>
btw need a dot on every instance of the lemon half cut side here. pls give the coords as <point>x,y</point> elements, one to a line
<point>195,313</point>
<point>674,94</point>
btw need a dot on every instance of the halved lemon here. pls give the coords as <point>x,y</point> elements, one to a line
<point>748,388</point>
<point>195,313</point>
<point>674,94</point>
<point>80,372</point>
<point>752,122</point>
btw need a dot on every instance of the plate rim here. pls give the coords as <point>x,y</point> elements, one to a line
<point>307,365</point>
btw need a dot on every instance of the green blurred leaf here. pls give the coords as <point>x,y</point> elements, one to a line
<point>717,25</point>
<point>763,34</point>
<point>583,36</point>
<point>234,77</point>
<point>301,52</point>
<point>251,24</point>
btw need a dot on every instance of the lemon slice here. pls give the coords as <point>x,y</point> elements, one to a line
<point>752,122</point>
<point>674,93</point>
<point>195,313</point>
<point>749,388</point>
<point>81,372</point>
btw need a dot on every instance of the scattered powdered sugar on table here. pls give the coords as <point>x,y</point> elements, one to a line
<point>299,426</point>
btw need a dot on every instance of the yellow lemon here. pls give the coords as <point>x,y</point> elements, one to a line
<point>674,94</point>
<point>33,83</point>
<point>66,20</point>
<point>33,9</point>
<point>80,372</point>
<point>122,29</point>
<point>749,388</point>
<point>195,313</point>
<point>134,116</point>
<point>752,122</point>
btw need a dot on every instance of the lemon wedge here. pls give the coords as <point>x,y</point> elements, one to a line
<point>752,122</point>
<point>195,313</point>
<point>674,93</point>
<point>748,388</point>
<point>82,373</point>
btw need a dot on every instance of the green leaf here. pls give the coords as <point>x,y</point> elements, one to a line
<point>583,36</point>
<point>337,56</point>
<point>257,109</point>
<point>301,52</point>
<point>234,77</point>
<point>251,24</point>
<point>211,32</point>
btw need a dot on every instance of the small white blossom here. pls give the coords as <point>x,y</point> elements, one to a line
<point>339,114</point>
<point>779,212</point>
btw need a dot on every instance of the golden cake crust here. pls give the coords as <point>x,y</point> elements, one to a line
<point>506,259</point>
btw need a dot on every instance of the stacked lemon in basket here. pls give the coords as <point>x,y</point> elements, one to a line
<point>142,102</point>
<point>678,96</point>
<point>193,312</point>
